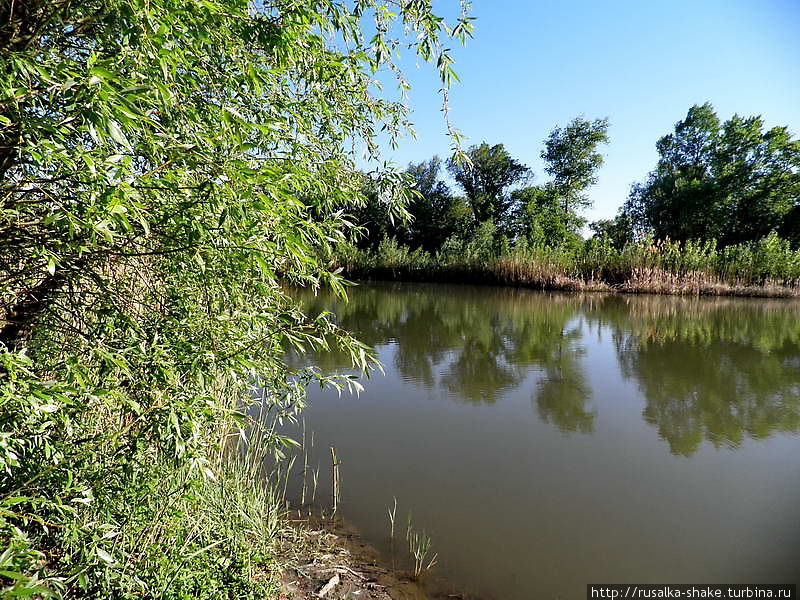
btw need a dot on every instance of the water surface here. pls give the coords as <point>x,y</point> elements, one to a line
<point>546,441</point>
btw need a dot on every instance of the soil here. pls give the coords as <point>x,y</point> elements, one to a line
<point>333,560</point>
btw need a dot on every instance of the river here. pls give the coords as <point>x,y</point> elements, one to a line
<point>544,441</point>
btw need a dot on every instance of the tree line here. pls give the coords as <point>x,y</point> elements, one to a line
<point>731,183</point>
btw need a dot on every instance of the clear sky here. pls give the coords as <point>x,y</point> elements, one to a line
<point>535,64</point>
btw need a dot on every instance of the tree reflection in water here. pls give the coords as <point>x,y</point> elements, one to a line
<point>718,370</point>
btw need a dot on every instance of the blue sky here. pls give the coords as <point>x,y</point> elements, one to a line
<point>533,65</point>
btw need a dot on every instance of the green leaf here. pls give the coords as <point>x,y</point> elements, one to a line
<point>116,134</point>
<point>104,556</point>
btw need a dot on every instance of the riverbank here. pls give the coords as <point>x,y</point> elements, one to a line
<point>507,272</point>
<point>769,268</point>
<point>330,559</point>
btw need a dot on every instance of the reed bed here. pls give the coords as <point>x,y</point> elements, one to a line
<point>766,268</point>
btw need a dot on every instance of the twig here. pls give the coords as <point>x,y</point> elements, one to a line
<point>333,582</point>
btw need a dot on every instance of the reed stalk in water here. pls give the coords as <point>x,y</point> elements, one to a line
<point>336,493</point>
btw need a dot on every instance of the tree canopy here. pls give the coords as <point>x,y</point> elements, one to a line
<point>734,181</point>
<point>617,231</point>
<point>572,159</point>
<point>437,213</point>
<point>549,213</point>
<point>486,180</point>
<point>499,200</point>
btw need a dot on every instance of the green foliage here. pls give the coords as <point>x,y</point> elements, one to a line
<point>430,215</point>
<point>572,160</point>
<point>379,215</point>
<point>437,213</point>
<point>734,182</point>
<point>393,254</point>
<point>617,231</point>
<point>486,179</point>
<point>543,219</point>
<point>164,168</point>
<point>769,259</point>
<point>545,214</point>
<point>537,240</point>
<point>767,267</point>
<point>548,214</point>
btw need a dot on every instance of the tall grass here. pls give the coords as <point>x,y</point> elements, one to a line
<point>205,525</point>
<point>768,267</point>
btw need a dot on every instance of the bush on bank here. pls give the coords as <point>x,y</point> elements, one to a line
<point>164,167</point>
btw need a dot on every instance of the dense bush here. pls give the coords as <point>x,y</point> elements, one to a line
<point>164,168</point>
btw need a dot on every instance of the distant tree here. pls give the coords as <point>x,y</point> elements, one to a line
<point>617,231</point>
<point>436,213</point>
<point>487,180</point>
<point>734,182</point>
<point>542,219</point>
<point>548,214</point>
<point>432,213</point>
<point>573,160</point>
<point>790,228</point>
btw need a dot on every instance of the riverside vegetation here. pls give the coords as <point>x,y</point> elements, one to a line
<point>769,267</point>
<point>164,168</point>
<point>719,214</point>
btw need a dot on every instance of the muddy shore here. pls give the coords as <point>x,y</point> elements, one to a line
<point>329,559</point>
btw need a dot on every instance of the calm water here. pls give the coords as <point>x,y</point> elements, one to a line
<point>547,441</point>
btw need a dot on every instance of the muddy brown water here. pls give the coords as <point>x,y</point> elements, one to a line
<point>544,441</point>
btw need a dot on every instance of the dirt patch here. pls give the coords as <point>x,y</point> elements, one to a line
<point>332,561</point>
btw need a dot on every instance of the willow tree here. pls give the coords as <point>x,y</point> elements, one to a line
<point>163,168</point>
